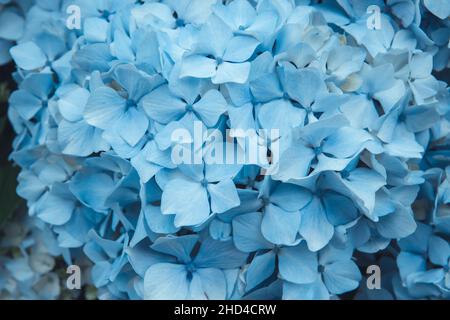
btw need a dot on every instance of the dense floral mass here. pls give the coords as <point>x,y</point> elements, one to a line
<point>360,175</point>
<point>27,262</point>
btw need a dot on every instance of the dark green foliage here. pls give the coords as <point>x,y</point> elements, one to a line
<point>9,201</point>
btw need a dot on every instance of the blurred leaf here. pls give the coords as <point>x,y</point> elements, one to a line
<point>9,201</point>
<point>4,92</point>
<point>2,125</point>
<point>6,137</point>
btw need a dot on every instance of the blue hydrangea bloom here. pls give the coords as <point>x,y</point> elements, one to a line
<point>12,26</point>
<point>28,266</point>
<point>356,175</point>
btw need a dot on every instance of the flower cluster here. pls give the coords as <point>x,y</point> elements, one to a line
<point>358,167</point>
<point>12,25</point>
<point>32,263</point>
<point>27,259</point>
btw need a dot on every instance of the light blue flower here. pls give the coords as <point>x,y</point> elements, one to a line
<point>360,176</point>
<point>199,276</point>
<point>140,48</point>
<point>293,93</point>
<point>352,16</point>
<point>260,24</point>
<point>336,273</point>
<point>177,100</point>
<point>248,237</point>
<point>438,8</point>
<point>45,50</point>
<point>109,258</point>
<point>199,190</point>
<point>33,95</point>
<point>190,11</point>
<point>99,179</point>
<point>418,251</point>
<point>29,273</point>
<point>224,59</point>
<point>328,144</point>
<point>121,110</point>
<point>74,135</point>
<point>93,57</point>
<point>12,27</point>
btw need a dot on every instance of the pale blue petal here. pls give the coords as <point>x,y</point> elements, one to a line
<point>398,224</point>
<point>409,264</point>
<point>11,25</point>
<point>280,227</point>
<point>141,259</point>
<point>219,254</point>
<point>341,276</point>
<point>261,268</point>
<point>188,200</point>
<point>80,139</point>
<point>104,108</point>
<point>298,264</point>
<point>210,107</point>
<point>240,49</point>
<point>213,282</point>
<point>280,115</point>
<point>56,207</point>
<point>131,126</point>
<point>223,196</point>
<point>161,105</point>
<point>314,226</point>
<point>164,281</point>
<point>290,197</point>
<point>198,66</point>
<point>304,85</point>
<point>231,72</point>
<point>28,56</point>
<point>439,8</point>
<point>439,251</point>
<point>179,247</point>
<point>159,222</point>
<point>247,234</point>
<point>26,104</point>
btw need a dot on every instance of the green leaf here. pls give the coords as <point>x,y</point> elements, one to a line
<point>2,125</point>
<point>4,92</point>
<point>9,200</point>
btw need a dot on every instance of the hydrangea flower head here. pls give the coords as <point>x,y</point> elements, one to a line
<point>358,167</point>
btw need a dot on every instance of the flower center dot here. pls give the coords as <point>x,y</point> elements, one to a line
<point>189,108</point>
<point>345,174</point>
<point>180,23</point>
<point>131,103</point>
<point>318,150</point>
